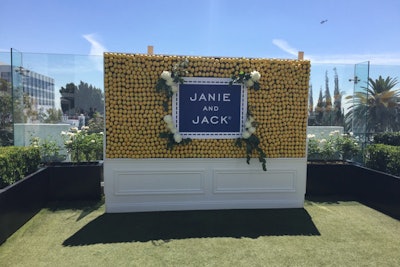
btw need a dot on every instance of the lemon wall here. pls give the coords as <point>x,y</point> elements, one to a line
<point>142,174</point>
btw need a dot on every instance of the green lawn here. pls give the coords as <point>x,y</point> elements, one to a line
<point>343,233</point>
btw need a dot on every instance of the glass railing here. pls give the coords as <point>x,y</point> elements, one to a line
<point>54,92</point>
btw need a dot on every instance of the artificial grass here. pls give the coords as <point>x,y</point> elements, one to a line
<point>344,233</point>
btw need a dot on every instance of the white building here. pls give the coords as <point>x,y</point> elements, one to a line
<point>39,87</point>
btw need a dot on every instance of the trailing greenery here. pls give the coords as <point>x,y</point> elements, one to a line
<point>251,80</point>
<point>168,81</point>
<point>252,146</point>
<point>388,138</point>
<point>172,140</point>
<point>16,163</point>
<point>384,158</point>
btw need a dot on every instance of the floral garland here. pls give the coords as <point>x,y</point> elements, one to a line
<point>168,81</point>
<point>168,84</point>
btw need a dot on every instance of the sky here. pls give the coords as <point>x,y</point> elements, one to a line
<point>328,31</point>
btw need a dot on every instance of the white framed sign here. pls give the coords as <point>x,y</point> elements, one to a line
<point>210,108</point>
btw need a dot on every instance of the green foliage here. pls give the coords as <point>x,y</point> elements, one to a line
<point>388,138</point>
<point>252,146</point>
<point>16,163</point>
<point>82,145</point>
<point>384,158</point>
<point>171,143</point>
<point>374,109</point>
<point>6,127</point>
<point>52,115</point>
<point>48,149</point>
<point>333,147</point>
<point>245,78</point>
<point>96,124</point>
<point>165,82</point>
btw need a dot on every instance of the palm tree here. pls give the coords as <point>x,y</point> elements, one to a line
<point>375,109</point>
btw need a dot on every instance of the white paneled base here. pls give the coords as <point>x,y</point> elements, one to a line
<point>133,185</point>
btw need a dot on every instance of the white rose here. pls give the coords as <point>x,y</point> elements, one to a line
<point>174,88</point>
<point>173,130</point>
<point>170,126</point>
<point>168,119</point>
<point>170,82</point>
<point>166,75</point>
<point>255,76</point>
<point>252,130</point>
<point>247,124</point>
<point>177,137</point>
<point>249,83</point>
<point>246,134</point>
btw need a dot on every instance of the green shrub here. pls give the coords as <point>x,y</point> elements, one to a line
<point>16,163</point>
<point>384,158</point>
<point>336,146</point>
<point>388,138</point>
<point>82,145</point>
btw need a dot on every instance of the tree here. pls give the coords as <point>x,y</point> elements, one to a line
<point>337,104</point>
<point>6,133</point>
<point>52,115</point>
<point>88,96</point>
<point>81,99</point>
<point>374,109</point>
<point>319,109</point>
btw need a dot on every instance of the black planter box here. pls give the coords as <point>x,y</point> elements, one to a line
<point>347,180</point>
<point>19,202</point>
<point>75,181</point>
<point>65,182</point>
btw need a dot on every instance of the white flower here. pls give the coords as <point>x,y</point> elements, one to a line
<point>101,133</point>
<point>322,141</point>
<point>174,88</point>
<point>63,133</point>
<point>74,129</point>
<point>92,141</point>
<point>170,126</point>
<point>173,130</point>
<point>166,75</point>
<point>168,119</point>
<point>170,82</point>
<point>250,119</point>
<point>310,135</point>
<point>177,137</point>
<point>252,130</point>
<point>255,76</point>
<point>247,124</point>
<point>249,83</point>
<point>246,134</point>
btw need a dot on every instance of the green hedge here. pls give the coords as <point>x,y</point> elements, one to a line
<point>384,158</point>
<point>16,163</point>
<point>389,138</point>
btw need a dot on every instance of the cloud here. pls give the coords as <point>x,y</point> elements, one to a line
<point>375,59</point>
<point>282,44</point>
<point>96,48</point>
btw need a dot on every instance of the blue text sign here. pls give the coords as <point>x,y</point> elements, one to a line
<point>210,108</point>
